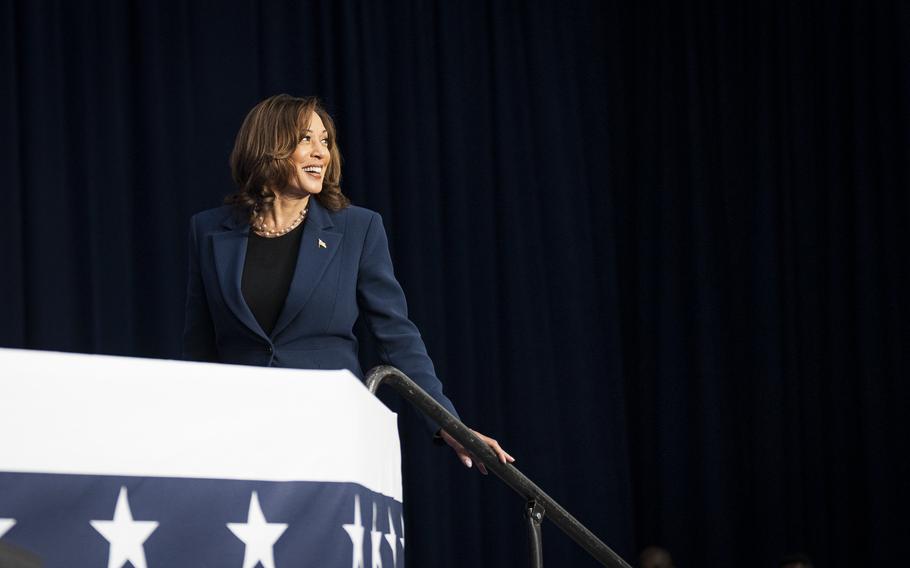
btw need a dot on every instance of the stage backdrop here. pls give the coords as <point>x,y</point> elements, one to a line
<point>656,248</point>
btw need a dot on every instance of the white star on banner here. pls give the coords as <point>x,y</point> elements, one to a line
<point>125,535</point>
<point>258,535</point>
<point>355,531</point>
<point>6,525</point>
<point>376,540</point>
<point>392,540</point>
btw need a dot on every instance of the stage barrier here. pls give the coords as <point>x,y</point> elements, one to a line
<point>105,460</point>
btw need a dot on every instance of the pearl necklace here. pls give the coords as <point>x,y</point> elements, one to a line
<point>260,229</point>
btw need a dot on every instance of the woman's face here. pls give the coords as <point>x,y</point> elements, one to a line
<point>311,158</point>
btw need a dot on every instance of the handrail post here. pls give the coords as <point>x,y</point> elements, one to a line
<point>535,513</point>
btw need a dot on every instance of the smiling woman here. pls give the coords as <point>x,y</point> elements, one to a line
<point>279,275</point>
<point>273,146</point>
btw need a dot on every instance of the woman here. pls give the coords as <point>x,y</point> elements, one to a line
<point>280,274</point>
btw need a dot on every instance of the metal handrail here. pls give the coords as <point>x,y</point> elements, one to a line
<point>539,503</point>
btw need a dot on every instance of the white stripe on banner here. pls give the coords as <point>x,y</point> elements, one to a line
<point>118,416</point>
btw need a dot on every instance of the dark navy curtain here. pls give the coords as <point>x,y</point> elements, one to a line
<point>657,249</point>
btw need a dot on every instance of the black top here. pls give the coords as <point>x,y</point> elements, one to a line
<point>267,273</point>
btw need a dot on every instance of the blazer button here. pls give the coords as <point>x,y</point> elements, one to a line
<point>270,349</point>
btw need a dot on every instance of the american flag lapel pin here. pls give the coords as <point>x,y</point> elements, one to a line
<point>322,244</point>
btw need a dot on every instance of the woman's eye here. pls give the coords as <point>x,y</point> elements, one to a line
<point>305,139</point>
<point>325,141</point>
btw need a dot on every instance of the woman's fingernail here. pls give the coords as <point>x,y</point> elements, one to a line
<point>467,462</point>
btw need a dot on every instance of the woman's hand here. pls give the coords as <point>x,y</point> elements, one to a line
<point>465,457</point>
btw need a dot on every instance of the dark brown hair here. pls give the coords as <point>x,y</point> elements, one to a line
<point>261,160</point>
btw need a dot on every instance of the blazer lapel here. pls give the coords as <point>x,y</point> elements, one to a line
<point>318,246</point>
<point>230,254</point>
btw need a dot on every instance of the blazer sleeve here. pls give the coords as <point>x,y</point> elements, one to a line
<point>383,305</point>
<point>198,329</point>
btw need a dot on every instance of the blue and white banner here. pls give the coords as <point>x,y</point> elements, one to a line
<point>112,462</point>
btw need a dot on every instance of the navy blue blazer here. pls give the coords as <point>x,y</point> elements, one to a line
<point>343,272</point>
